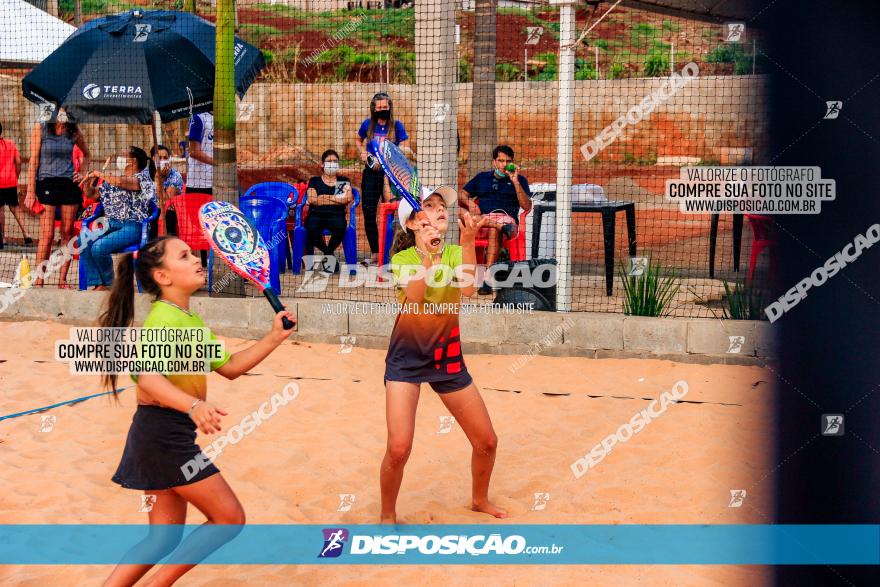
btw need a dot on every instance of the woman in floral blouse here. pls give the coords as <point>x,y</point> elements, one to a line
<point>128,198</point>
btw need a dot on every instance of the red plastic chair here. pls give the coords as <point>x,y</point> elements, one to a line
<point>294,200</point>
<point>386,213</point>
<point>162,229</point>
<point>515,246</point>
<point>187,208</point>
<point>764,231</point>
<point>301,188</point>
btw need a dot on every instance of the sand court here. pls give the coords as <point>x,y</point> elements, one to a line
<point>296,466</point>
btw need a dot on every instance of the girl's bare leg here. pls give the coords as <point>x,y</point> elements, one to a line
<point>19,218</point>
<point>216,500</point>
<point>494,240</point>
<point>47,235</point>
<point>68,216</point>
<point>493,237</point>
<point>468,409</point>
<point>401,401</point>
<point>169,508</point>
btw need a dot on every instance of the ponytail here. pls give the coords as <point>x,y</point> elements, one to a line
<point>143,161</point>
<point>404,238</point>
<point>120,303</point>
<point>120,307</point>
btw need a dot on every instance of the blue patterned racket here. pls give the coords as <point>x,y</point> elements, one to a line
<point>235,241</point>
<point>400,173</point>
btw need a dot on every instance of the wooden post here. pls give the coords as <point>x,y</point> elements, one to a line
<point>225,114</point>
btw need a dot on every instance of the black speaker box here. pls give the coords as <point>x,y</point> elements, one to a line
<point>521,293</point>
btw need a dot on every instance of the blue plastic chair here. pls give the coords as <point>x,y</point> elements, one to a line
<point>349,241</point>
<point>293,202</point>
<point>288,194</point>
<point>268,216</point>
<point>145,236</point>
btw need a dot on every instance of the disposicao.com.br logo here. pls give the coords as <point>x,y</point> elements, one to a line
<point>334,540</point>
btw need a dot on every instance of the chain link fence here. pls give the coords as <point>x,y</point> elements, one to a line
<point>460,79</point>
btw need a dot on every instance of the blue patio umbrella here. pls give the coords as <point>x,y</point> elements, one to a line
<point>124,67</point>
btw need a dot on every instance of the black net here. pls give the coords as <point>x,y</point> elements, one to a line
<point>652,93</point>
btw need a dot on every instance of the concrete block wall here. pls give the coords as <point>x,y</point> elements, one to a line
<point>711,113</point>
<point>697,340</point>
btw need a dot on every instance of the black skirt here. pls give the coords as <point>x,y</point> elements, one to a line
<point>161,444</point>
<point>58,191</point>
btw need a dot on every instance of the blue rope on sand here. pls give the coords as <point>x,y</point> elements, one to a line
<point>68,402</point>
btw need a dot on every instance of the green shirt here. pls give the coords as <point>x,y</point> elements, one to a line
<point>425,343</point>
<point>409,259</point>
<point>165,315</point>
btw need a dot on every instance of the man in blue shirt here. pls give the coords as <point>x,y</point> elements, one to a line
<point>498,194</point>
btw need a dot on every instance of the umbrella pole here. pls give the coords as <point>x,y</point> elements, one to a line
<point>160,188</point>
<point>155,126</point>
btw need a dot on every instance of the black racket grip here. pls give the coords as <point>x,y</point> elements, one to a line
<point>277,306</point>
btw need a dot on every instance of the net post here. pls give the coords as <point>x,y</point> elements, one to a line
<point>435,97</point>
<point>564,150</point>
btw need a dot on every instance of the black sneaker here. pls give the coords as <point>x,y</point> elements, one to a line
<point>485,290</point>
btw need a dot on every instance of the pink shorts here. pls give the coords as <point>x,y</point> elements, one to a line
<point>499,217</point>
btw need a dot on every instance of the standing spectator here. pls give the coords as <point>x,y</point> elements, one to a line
<point>52,180</point>
<point>328,195</point>
<point>381,123</point>
<point>169,184</point>
<point>200,161</point>
<point>499,194</point>
<point>10,169</point>
<point>127,197</point>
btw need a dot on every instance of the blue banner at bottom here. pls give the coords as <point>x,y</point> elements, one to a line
<point>442,544</point>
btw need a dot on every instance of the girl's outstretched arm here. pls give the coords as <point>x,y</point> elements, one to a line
<point>468,231</point>
<point>204,414</point>
<point>242,361</point>
<point>417,286</point>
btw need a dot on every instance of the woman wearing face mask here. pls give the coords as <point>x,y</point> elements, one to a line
<point>328,195</point>
<point>53,182</point>
<point>381,123</point>
<point>169,184</point>
<point>128,197</point>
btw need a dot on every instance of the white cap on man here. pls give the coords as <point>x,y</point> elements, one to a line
<point>404,209</point>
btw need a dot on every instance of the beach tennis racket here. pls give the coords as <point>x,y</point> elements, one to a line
<point>400,173</point>
<point>234,240</point>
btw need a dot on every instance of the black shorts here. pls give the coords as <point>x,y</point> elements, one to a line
<point>58,191</point>
<point>161,442</point>
<point>455,383</point>
<point>9,197</point>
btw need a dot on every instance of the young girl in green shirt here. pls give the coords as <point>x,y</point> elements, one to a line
<point>162,436</point>
<point>425,346</point>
